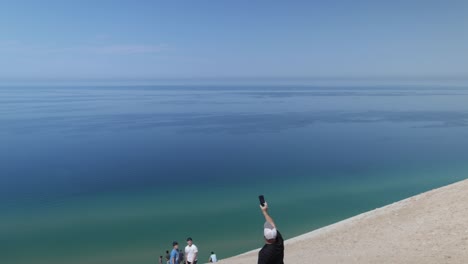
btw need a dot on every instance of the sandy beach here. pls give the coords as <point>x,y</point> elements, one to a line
<point>431,227</point>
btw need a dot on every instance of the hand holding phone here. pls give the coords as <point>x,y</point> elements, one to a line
<point>261,198</point>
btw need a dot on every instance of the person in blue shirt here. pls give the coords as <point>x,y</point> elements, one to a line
<point>174,259</point>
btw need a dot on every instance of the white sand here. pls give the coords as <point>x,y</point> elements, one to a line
<point>430,228</point>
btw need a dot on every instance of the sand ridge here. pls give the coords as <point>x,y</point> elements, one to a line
<point>429,228</point>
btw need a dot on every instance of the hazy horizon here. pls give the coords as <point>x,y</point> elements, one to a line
<point>88,40</point>
<point>339,81</point>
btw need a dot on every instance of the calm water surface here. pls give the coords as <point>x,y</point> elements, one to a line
<point>115,174</point>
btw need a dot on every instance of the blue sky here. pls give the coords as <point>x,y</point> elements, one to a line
<point>112,40</point>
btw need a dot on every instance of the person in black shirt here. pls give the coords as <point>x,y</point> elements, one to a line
<point>181,256</point>
<point>273,250</point>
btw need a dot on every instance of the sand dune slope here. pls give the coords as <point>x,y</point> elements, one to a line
<point>428,228</point>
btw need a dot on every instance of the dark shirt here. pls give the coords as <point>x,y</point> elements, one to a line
<point>181,256</point>
<point>272,253</point>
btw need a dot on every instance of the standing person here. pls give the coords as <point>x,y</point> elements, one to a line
<point>213,258</point>
<point>273,250</point>
<point>160,260</point>
<point>174,258</point>
<point>181,256</point>
<point>191,252</point>
<point>168,256</point>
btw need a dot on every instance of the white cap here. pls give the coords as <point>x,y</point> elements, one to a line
<point>269,231</point>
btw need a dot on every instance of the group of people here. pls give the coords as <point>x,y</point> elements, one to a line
<point>271,253</point>
<point>187,256</point>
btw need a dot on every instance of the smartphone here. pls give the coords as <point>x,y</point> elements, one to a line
<point>261,198</point>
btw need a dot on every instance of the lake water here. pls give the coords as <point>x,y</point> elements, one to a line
<point>115,174</point>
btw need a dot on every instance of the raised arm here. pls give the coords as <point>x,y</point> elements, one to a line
<point>266,215</point>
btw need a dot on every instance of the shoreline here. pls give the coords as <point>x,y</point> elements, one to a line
<point>425,228</point>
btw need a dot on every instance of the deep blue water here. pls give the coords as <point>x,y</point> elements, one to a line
<point>102,161</point>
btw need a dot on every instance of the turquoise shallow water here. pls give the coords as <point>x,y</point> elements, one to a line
<point>115,174</point>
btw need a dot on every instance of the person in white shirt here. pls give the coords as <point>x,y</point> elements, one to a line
<point>213,258</point>
<point>191,252</point>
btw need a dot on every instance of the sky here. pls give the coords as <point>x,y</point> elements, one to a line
<point>150,40</point>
